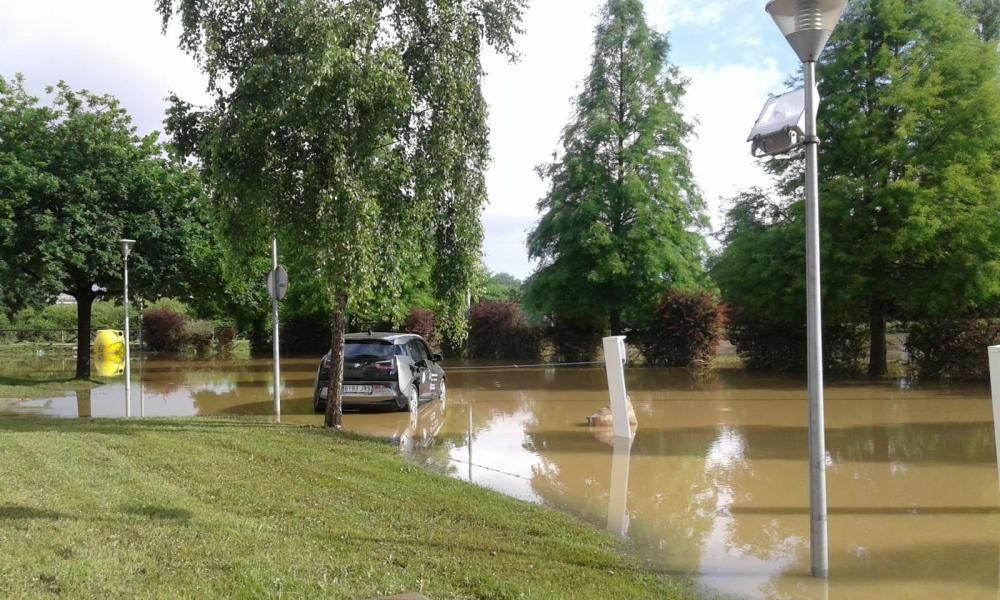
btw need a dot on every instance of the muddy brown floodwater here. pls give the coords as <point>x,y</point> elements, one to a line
<point>715,483</point>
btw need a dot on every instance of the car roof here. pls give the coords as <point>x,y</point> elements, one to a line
<point>394,338</point>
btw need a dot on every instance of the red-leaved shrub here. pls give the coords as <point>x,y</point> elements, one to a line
<point>421,322</point>
<point>574,340</point>
<point>952,347</point>
<point>163,329</point>
<point>683,331</point>
<point>499,331</point>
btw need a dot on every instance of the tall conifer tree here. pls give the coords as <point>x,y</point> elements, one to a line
<point>620,221</point>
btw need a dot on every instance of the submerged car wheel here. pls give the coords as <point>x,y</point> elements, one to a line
<point>443,392</point>
<point>411,402</point>
<point>319,404</point>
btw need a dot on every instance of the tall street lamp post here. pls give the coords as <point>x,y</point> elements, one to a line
<point>126,248</point>
<point>807,25</point>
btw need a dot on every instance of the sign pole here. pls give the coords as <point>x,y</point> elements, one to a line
<point>276,359</point>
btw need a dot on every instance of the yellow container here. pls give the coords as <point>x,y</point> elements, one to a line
<point>109,342</point>
<point>109,364</point>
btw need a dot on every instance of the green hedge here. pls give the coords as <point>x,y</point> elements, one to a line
<point>104,315</point>
<point>954,348</point>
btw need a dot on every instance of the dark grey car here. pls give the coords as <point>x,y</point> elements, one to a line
<point>395,370</point>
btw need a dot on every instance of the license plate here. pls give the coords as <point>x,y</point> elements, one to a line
<point>357,389</point>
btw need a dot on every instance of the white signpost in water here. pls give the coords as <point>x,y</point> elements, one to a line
<point>614,364</point>
<point>995,385</point>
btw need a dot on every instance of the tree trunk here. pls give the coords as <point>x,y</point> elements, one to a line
<point>84,303</point>
<point>334,398</point>
<point>877,366</point>
<point>616,322</point>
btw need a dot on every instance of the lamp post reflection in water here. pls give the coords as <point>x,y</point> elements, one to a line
<point>470,440</point>
<point>126,248</point>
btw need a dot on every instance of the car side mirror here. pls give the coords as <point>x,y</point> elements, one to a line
<point>437,358</point>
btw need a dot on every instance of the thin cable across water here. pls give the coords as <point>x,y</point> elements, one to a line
<point>478,466</point>
<point>529,366</point>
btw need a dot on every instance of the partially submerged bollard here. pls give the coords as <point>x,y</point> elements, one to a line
<point>109,353</point>
<point>109,341</point>
<point>614,364</point>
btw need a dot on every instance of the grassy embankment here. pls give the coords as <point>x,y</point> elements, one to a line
<point>100,509</point>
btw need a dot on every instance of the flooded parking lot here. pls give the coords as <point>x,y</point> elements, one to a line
<point>714,483</point>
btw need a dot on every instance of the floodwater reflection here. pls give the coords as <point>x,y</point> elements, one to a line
<point>715,482</point>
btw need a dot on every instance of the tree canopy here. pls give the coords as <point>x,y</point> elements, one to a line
<point>987,16</point>
<point>910,122</point>
<point>620,222</point>
<point>74,178</point>
<point>354,132</point>
<point>501,287</point>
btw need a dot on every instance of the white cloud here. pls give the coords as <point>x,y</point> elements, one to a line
<point>725,101</point>
<point>113,46</point>
<point>530,103</point>
<point>665,15</point>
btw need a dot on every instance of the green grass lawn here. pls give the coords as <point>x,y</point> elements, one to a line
<point>208,508</point>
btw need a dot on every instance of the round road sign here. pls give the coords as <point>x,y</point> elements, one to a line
<point>277,283</point>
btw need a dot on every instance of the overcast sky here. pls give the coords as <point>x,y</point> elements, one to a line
<point>730,50</point>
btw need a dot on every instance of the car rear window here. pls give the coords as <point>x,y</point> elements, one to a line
<point>355,350</point>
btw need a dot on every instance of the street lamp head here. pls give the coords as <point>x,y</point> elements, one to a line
<point>780,127</point>
<point>126,247</point>
<point>806,24</point>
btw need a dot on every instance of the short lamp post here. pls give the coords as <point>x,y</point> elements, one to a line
<point>807,25</point>
<point>126,248</point>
